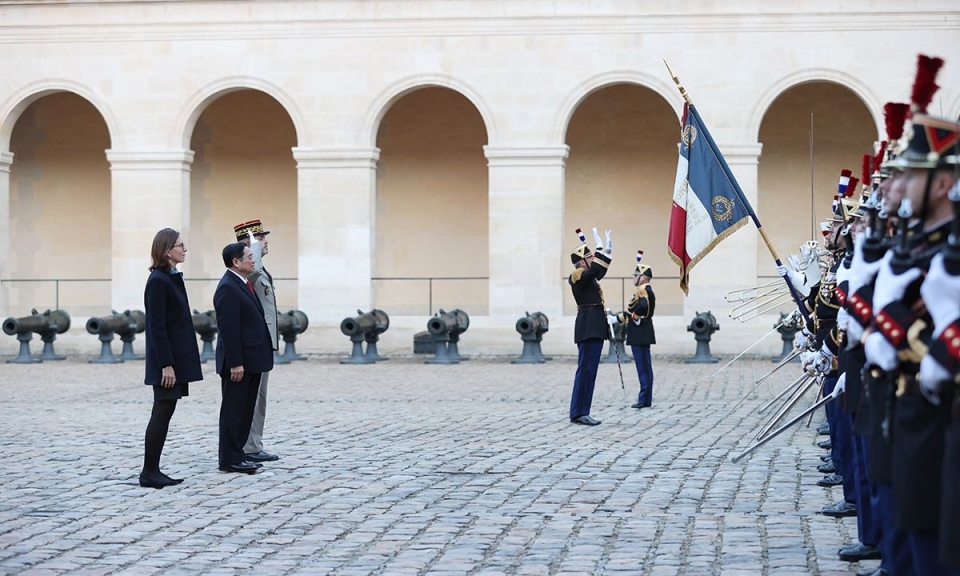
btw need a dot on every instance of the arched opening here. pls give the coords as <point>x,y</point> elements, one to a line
<point>60,208</point>
<point>797,175</point>
<point>243,169</point>
<point>620,174</point>
<point>431,206</point>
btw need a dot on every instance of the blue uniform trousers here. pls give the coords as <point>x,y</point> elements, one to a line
<point>588,361</point>
<point>641,357</point>
<point>831,408</point>
<point>868,528</point>
<point>844,445</point>
<point>894,547</point>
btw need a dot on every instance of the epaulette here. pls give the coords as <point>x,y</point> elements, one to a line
<point>575,276</point>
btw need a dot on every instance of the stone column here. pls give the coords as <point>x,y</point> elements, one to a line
<point>6,160</point>
<point>526,222</point>
<point>336,195</point>
<point>150,191</point>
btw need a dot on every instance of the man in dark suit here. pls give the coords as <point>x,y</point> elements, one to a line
<point>591,327</point>
<point>640,332</point>
<point>243,354</point>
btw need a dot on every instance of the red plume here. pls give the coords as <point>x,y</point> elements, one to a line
<point>925,84</point>
<point>865,167</point>
<point>852,186</point>
<point>878,159</point>
<point>895,115</point>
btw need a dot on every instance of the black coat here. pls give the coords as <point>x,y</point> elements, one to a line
<point>641,308</point>
<point>169,335</point>
<point>591,314</point>
<point>244,339</point>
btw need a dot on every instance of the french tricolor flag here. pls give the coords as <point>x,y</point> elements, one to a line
<point>707,204</point>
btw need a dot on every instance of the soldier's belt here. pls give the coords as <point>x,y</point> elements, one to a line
<point>587,306</point>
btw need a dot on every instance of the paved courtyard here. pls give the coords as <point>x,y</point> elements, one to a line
<point>401,468</point>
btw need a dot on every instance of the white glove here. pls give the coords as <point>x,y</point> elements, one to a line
<point>609,249</point>
<point>823,362</point>
<point>843,320</point>
<point>807,359</point>
<point>932,374</point>
<point>841,386</point>
<point>941,294</point>
<point>597,239</point>
<point>797,280</point>
<point>854,332</point>
<point>861,271</point>
<point>612,320</point>
<point>253,239</point>
<point>880,352</point>
<point>891,286</point>
<point>803,340</point>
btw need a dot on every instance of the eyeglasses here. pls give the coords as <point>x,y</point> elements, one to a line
<point>181,246</point>
<point>247,257</point>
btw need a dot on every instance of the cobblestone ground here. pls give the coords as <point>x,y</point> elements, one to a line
<point>402,468</point>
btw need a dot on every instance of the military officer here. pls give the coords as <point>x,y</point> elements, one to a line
<point>640,333</point>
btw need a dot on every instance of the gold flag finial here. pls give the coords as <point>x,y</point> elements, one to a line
<point>683,91</point>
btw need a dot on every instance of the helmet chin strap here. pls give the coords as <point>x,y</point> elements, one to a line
<point>926,196</point>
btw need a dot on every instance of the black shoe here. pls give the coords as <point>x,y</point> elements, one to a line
<point>254,464</point>
<point>825,444</point>
<point>825,457</point>
<point>155,480</point>
<point>585,420</point>
<point>859,552</point>
<point>830,480</point>
<point>243,467</point>
<point>841,509</point>
<point>824,429</point>
<point>638,406</point>
<point>172,480</point>
<point>261,456</point>
<point>873,572</point>
<point>827,468</point>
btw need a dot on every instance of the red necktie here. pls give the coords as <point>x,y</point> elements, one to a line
<point>250,286</point>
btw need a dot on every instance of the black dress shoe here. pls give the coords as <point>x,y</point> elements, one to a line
<point>827,468</point>
<point>243,467</point>
<point>830,480</point>
<point>261,456</point>
<point>825,457</point>
<point>859,552</point>
<point>585,420</point>
<point>825,444</point>
<point>873,572</point>
<point>824,429</point>
<point>638,406</point>
<point>254,464</point>
<point>840,509</point>
<point>172,480</point>
<point>155,480</point>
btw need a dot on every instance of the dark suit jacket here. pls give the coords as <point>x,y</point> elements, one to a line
<point>641,308</point>
<point>591,315</point>
<point>243,336</point>
<point>169,335</point>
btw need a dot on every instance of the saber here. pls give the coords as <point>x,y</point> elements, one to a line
<point>796,352</point>
<point>787,407</point>
<point>819,394</point>
<point>796,383</point>
<point>616,351</point>
<point>762,378</point>
<point>735,358</point>
<point>799,417</point>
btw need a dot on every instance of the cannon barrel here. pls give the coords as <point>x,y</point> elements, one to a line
<point>205,322</point>
<point>383,321</point>
<point>360,324</point>
<point>34,323</point>
<point>451,323</point>
<point>135,323</point>
<point>61,318</point>
<point>703,323</point>
<point>536,323</point>
<point>106,324</point>
<point>292,323</point>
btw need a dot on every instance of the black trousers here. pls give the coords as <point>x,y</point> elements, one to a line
<point>236,415</point>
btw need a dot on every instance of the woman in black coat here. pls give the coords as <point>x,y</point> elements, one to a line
<point>172,355</point>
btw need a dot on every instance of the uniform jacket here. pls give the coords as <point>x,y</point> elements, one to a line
<point>591,312</point>
<point>639,318</point>
<point>169,335</point>
<point>263,285</point>
<point>244,339</point>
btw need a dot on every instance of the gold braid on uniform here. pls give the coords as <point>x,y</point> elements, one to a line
<point>575,276</point>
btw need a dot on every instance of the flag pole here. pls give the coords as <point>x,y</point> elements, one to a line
<point>736,188</point>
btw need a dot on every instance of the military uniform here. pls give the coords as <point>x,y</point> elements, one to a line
<point>591,327</point>
<point>640,332</point>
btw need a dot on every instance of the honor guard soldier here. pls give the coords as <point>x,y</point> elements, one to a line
<point>590,329</point>
<point>902,333</point>
<point>640,333</point>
